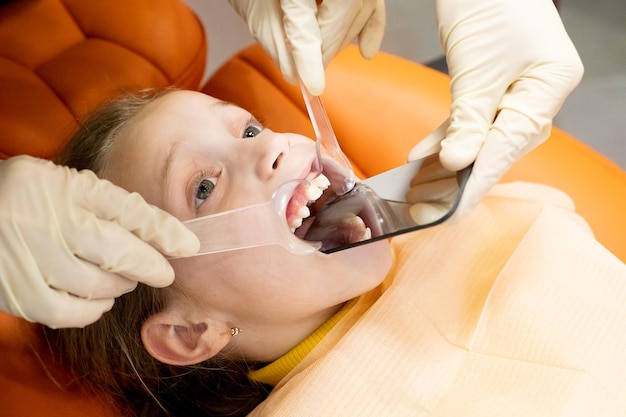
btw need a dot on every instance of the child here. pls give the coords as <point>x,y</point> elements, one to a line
<point>515,310</point>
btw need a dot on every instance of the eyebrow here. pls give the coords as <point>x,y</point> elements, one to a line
<point>222,104</point>
<point>166,169</point>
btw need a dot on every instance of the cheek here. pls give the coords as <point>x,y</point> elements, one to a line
<point>305,144</point>
<point>295,138</point>
<point>236,274</point>
<point>186,270</point>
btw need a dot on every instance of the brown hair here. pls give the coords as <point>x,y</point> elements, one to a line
<point>108,355</point>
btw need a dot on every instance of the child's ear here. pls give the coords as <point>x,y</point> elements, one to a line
<point>171,339</point>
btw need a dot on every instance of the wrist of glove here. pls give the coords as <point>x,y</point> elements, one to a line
<point>511,67</point>
<point>302,38</point>
<point>70,243</point>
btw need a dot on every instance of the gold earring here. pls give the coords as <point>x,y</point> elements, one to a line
<point>234,331</point>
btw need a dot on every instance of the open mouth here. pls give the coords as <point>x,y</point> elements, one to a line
<point>315,213</point>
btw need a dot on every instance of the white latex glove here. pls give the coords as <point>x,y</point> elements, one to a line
<point>511,65</point>
<point>70,243</point>
<point>302,39</point>
<point>434,189</point>
<point>432,194</point>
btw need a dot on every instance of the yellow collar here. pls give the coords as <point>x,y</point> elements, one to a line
<point>273,372</point>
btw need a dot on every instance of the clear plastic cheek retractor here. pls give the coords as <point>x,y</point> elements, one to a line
<point>329,153</point>
<point>252,226</point>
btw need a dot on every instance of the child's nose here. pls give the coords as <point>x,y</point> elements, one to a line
<point>274,148</point>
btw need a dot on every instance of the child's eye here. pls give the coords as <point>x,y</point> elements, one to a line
<point>252,131</point>
<point>203,191</point>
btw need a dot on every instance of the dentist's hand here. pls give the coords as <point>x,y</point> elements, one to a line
<point>302,39</point>
<point>434,189</point>
<point>511,65</point>
<point>70,243</point>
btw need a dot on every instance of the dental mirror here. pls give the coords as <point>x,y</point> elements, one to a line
<point>414,196</point>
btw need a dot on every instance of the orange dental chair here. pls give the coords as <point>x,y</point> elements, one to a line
<point>61,58</point>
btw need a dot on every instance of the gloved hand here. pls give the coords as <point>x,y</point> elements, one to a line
<point>511,65</point>
<point>70,243</point>
<point>302,40</point>
<point>433,193</point>
<point>434,189</point>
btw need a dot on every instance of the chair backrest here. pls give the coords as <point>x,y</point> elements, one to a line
<point>61,58</point>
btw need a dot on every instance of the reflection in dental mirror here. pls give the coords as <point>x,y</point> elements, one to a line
<point>426,198</point>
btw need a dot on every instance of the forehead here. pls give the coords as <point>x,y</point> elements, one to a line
<point>166,119</point>
<point>178,104</point>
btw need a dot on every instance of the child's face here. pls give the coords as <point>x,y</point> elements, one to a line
<point>194,155</point>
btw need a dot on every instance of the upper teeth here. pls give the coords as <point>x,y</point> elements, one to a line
<point>316,187</point>
<point>312,192</point>
<point>321,181</point>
